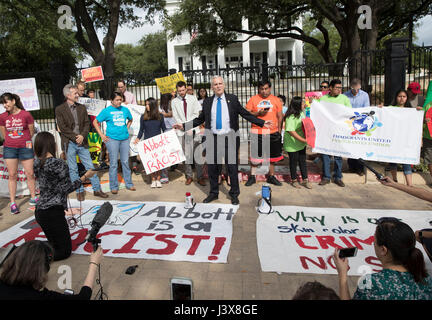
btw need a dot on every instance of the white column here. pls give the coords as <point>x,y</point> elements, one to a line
<point>197,64</point>
<point>172,63</point>
<point>221,58</point>
<point>245,45</point>
<point>271,52</point>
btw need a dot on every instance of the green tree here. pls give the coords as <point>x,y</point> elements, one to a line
<point>149,56</point>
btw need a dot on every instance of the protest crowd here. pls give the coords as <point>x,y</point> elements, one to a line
<point>204,125</point>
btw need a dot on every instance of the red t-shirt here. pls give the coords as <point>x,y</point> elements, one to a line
<point>17,130</point>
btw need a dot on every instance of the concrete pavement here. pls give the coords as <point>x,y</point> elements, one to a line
<point>241,277</point>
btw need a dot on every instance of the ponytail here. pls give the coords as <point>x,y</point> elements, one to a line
<point>18,102</point>
<point>416,265</point>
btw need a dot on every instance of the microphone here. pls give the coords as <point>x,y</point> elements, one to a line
<point>101,217</point>
<point>377,174</point>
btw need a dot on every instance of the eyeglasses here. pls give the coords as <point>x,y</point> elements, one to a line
<point>324,87</point>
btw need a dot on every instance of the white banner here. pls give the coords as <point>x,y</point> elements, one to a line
<point>303,240</point>
<point>22,189</point>
<point>146,230</point>
<point>25,88</point>
<point>160,152</point>
<point>387,134</point>
<point>94,106</point>
<point>136,111</point>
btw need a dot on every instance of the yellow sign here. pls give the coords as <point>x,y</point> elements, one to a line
<point>95,147</point>
<point>168,84</point>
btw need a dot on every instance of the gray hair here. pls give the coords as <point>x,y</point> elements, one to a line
<point>67,88</point>
<point>355,82</point>
<point>216,77</point>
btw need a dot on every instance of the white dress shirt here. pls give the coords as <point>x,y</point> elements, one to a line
<point>225,116</point>
<point>193,110</point>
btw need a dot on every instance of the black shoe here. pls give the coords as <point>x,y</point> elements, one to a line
<point>210,198</point>
<point>339,183</point>
<point>324,181</point>
<point>273,180</point>
<point>251,181</point>
<point>235,201</point>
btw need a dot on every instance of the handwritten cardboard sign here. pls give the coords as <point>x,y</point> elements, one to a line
<point>303,239</point>
<point>92,74</point>
<point>146,230</point>
<point>93,106</point>
<point>310,97</point>
<point>168,84</point>
<point>160,152</point>
<point>25,88</point>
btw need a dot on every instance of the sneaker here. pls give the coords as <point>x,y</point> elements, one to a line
<point>14,208</point>
<point>306,184</point>
<point>250,181</point>
<point>33,201</point>
<point>158,184</point>
<point>295,184</point>
<point>153,184</point>
<point>273,180</point>
<point>164,180</point>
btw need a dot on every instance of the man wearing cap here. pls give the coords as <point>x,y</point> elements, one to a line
<point>414,97</point>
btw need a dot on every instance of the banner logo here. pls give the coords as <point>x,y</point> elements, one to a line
<point>363,123</point>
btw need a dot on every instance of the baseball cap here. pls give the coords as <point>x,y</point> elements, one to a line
<point>414,87</point>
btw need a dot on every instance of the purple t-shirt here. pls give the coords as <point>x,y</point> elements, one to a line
<point>17,128</point>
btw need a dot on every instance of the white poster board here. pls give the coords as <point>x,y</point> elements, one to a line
<point>25,88</point>
<point>136,111</point>
<point>93,106</point>
<point>160,152</point>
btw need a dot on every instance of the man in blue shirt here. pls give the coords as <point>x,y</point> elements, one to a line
<point>358,99</point>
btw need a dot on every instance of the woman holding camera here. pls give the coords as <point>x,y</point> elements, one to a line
<point>403,277</point>
<point>55,185</point>
<point>25,274</point>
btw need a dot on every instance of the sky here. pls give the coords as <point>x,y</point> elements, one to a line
<point>132,36</point>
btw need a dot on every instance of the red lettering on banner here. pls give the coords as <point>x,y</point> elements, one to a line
<point>370,260</point>
<point>169,249</point>
<point>195,243</point>
<point>28,236</point>
<point>300,242</point>
<point>80,239</point>
<point>89,248</point>
<point>326,241</point>
<point>128,247</point>
<point>146,148</point>
<point>219,242</point>
<point>346,242</point>
<point>321,263</point>
<point>356,241</point>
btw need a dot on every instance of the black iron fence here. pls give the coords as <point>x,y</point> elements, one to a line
<point>370,66</point>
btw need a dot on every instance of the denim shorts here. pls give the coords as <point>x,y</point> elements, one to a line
<point>18,153</point>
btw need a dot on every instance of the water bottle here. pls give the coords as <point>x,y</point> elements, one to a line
<point>189,203</point>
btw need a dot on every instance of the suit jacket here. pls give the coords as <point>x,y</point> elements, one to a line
<point>235,109</point>
<point>193,110</point>
<point>66,124</point>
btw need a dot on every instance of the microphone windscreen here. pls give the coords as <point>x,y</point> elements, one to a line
<point>103,214</point>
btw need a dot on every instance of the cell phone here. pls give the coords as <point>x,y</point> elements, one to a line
<point>347,252</point>
<point>181,289</point>
<point>69,292</point>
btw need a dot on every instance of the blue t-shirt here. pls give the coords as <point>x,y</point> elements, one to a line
<point>116,119</point>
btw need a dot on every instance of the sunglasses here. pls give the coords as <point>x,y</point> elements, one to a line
<point>324,87</point>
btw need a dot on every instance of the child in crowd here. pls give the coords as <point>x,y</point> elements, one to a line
<point>152,124</point>
<point>295,141</point>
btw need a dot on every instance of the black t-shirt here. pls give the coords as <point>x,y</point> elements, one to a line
<point>27,293</point>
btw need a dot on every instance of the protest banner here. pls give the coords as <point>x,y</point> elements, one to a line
<point>146,230</point>
<point>428,116</point>
<point>22,189</point>
<point>160,152</point>
<point>93,106</point>
<point>385,134</point>
<point>168,84</point>
<point>310,97</point>
<point>309,131</point>
<point>428,97</point>
<point>92,74</point>
<point>25,88</point>
<point>303,240</point>
<point>137,111</point>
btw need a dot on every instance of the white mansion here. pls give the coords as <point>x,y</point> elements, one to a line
<point>281,51</point>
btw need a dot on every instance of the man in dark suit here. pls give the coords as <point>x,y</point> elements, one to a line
<point>74,125</point>
<point>221,117</point>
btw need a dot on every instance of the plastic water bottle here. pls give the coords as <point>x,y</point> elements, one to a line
<point>189,203</point>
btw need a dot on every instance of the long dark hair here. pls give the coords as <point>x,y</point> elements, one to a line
<point>407,104</point>
<point>44,144</point>
<point>199,95</point>
<point>295,107</point>
<point>28,265</point>
<point>165,102</point>
<point>154,113</point>
<point>399,239</point>
<point>11,96</point>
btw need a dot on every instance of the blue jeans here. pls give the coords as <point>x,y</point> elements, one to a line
<point>337,167</point>
<point>83,153</point>
<point>406,168</point>
<point>115,147</point>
